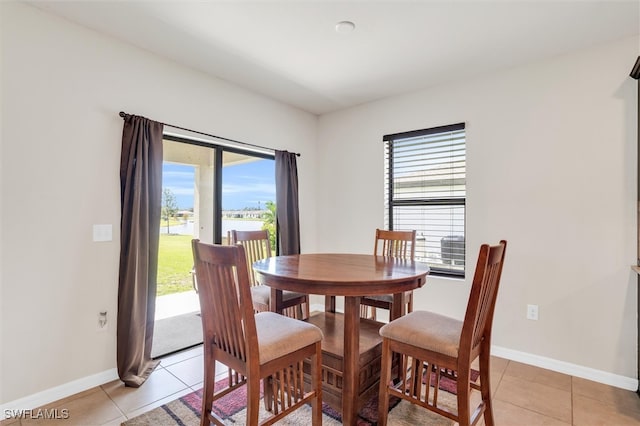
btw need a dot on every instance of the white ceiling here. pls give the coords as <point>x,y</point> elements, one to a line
<point>291,52</point>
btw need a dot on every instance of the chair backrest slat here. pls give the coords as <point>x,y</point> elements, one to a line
<point>398,244</point>
<point>257,247</point>
<point>225,299</point>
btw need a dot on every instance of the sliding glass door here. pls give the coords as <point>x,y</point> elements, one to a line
<point>208,190</point>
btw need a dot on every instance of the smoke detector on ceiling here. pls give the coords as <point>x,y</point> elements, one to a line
<point>345,27</point>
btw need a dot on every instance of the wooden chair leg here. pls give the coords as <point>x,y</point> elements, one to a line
<point>316,374</point>
<point>385,378</point>
<point>267,385</point>
<point>253,400</point>
<point>307,309</point>
<point>208,389</point>
<point>485,386</point>
<point>464,391</point>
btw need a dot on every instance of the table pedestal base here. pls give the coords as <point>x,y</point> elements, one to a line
<point>332,325</point>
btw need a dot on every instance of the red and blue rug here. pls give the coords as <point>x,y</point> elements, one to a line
<point>185,411</point>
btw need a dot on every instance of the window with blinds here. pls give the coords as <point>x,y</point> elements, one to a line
<point>425,190</point>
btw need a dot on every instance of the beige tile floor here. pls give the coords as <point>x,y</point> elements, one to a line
<point>523,395</point>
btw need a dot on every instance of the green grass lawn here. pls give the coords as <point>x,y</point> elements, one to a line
<point>175,261</point>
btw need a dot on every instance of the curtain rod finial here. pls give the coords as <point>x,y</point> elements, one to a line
<point>122,114</point>
<point>635,72</point>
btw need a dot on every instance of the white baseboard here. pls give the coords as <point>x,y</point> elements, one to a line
<point>316,307</point>
<point>628,383</point>
<point>623,382</point>
<point>53,394</point>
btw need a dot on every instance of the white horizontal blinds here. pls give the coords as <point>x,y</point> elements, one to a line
<point>426,191</point>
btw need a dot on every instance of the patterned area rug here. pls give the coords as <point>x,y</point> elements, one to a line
<point>185,411</point>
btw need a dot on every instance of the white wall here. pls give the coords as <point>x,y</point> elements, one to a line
<point>551,168</point>
<point>62,88</point>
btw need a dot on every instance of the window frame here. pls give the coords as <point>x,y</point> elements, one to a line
<point>421,201</point>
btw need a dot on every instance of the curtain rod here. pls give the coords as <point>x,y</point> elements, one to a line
<point>124,115</point>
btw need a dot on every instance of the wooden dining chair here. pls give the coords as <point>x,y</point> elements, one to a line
<point>264,346</point>
<point>257,246</point>
<point>432,346</point>
<point>397,244</point>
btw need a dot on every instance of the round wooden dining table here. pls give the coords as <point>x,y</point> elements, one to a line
<point>351,276</point>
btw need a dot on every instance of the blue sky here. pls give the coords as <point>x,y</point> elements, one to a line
<point>243,185</point>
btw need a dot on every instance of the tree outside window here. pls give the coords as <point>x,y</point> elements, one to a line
<point>169,206</point>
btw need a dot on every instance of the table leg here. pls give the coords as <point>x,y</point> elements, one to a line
<point>397,310</point>
<point>329,303</point>
<point>275,301</point>
<point>351,367</point>
<point>398,307</point>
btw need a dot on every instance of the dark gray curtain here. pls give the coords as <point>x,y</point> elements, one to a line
<point>287,202</point>
<point>141,197</point>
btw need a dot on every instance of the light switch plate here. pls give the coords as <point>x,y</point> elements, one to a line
<point>532,312</point>
<point>102,232</point>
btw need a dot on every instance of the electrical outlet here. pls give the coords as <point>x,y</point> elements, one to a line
<point>102,321</point>
<point>532,312</point>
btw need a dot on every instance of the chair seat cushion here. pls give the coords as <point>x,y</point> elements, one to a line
<point>387,297</point>
<point>262,293</point>
<point>381,297</point>
<point>426,330</point>
<point>279,335</point>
